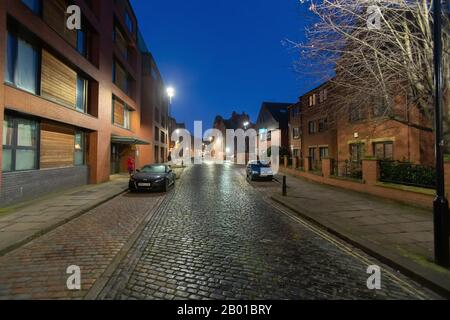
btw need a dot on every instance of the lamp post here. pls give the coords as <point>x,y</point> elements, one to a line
<point>440,207</point>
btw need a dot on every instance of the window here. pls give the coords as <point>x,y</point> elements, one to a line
<point>163,137</point>
<point>121,115</point>
<point>79,151</point>
<point>34,5</point>
<point>82,84</point>
<point>383,150</point>
<point>82,42</point>
<point>312,100</point>
<point>22,64</point>
<point>296,133</point>
<point>323,125</point>
<point>380,109</point>
<point>156,134</point>
<point>20,139</point>
<point>356,152</point>
<point>121,78</point>
<point>296,112</point>
<point>128,22</point>
<point>121,42</point>
<point>323,95</point>
<point>312,127</point>
<point>312,153</point>
<point>323,152</point>
<point>356,113</point>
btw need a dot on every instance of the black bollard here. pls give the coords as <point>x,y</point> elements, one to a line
<point>284,187</point>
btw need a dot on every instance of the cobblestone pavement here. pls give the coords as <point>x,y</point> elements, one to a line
<point>91,241</point>
<point>215,237</point>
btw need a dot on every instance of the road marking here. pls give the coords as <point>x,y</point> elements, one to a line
<point>347,249</point>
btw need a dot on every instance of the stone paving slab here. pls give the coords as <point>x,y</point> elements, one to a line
<point>401,234</point>
<point>27,221</point>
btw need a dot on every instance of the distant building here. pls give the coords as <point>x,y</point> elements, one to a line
<point>235,122</point>
<point>295,130</point>
<point>274,116</point>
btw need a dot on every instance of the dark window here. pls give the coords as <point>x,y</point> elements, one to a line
<point>323,152</point>
<point>156,134</point>
<point>312,127</point>
<point>323,125</point>
<point>128,22</point>
<point>296,133</point>
<point>357,113</point>
<point>380,109</point>
<point>20,141</point>
<point>34,5</point>
<point>121,78</point>
<point>383,150</point>
<point>79,148</point>
<point>22,64</point>
<point>356,152</point>
<point>312,153</point>
<point>82,84</point>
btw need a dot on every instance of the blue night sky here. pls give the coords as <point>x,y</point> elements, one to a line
<point>224,55</point>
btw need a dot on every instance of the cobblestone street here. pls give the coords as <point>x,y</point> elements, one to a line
<point>215,237</point>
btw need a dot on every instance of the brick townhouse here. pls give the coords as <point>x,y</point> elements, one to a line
<point>347,134</point>
<point>318,125</point>
<point>75,104</point>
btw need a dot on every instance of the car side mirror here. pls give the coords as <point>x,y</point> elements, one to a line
<point>137,170</point>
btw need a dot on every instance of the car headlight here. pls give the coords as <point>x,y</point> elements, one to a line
<point>255,172</point>
<point>132,179</point>
<point>159,180</point>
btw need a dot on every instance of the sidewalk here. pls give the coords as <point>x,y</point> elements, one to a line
<point>397,234</point>
<point>21,224</point>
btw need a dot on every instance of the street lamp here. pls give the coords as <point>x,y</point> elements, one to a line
<point>440,207</point>
<point>170,93</point>
<point>246,124</point>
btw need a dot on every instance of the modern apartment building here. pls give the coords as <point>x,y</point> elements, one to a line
<point>75,104</point>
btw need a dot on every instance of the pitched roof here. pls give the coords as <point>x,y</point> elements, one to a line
<point>279,111</point>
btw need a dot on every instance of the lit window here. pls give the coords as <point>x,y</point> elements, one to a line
<point>79,148</point>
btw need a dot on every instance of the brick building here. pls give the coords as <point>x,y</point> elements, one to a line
<point>274,116</point>
<point>74,105</point>
<point>348,134</point>
<point>295,130</point>
<point>318,125</point>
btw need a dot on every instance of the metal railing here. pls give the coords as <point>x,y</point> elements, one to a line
<point>347,169</point>
<point>407,174</point>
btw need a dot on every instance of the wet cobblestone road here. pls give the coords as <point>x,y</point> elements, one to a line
<point>215,237</point>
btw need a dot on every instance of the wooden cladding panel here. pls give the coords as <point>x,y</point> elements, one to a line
<point>54,13</point>
<point>119,109</point>
<point>58,82</point>
<point>57,146</point>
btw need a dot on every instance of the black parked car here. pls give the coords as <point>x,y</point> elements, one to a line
<point>259,170</point>
<point>152,177</point>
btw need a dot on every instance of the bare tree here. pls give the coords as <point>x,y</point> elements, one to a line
<point>371,62</point>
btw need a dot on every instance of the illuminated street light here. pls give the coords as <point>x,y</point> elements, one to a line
<point>170,93</point>
<point>246,124</point>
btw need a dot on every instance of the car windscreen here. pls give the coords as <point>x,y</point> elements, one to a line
<point>261,165</point>
<point>153,169</point>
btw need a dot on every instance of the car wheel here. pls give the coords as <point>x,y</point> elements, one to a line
<point>166,185</point>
